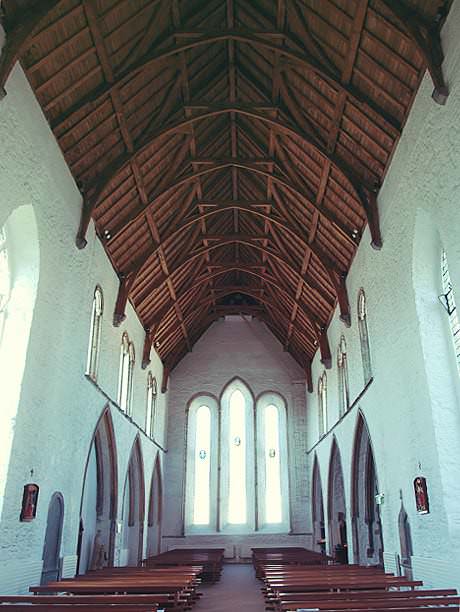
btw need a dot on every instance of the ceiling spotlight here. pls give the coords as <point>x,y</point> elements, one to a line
<point>354,233</point>
<point>157,344</point>
<point>107,234</point>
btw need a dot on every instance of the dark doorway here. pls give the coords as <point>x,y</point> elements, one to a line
<point>338,543</point>
<point>319,530</point>
<point>53,538</point>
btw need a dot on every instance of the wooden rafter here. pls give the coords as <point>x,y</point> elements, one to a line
<point>232,145</point>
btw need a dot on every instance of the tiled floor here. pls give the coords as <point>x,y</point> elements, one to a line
<point>237,591</point>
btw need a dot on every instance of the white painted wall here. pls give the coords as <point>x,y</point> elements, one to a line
<point>51,422</point>
<point>244,348</point>
<point>412,407</point>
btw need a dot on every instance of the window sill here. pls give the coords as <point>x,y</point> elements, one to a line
<point>350,408</point>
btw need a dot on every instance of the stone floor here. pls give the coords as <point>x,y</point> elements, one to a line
<point>237,591</point>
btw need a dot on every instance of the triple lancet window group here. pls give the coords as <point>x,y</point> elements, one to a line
<point>237,463</point>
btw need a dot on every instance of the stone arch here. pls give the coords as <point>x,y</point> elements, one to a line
<point>53,539</point>
<point>319,528</point>
<point>98,509</point>
<point>154,521</point>
<point>337,513</point>
<point>366,522</point>
<point>133,511</point>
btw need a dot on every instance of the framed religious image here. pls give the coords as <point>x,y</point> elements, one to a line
<point>421,495</point>
<point>29,503</point>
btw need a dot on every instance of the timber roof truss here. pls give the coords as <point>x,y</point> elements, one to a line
<point>230,152</point>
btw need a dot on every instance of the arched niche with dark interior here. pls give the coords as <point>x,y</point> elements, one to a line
<point>99,499</point>
<point>366,523</point>
<point>155,511</point>
<point>133,508</point>
<point>319,530</point>
<point>338,543</point>
<point>53,538</point>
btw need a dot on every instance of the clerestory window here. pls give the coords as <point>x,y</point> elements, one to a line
<point>151,406</point>
<point>125,380</point>
<point>451,306</point>
<point>342,366</point>
<point>364,337</point>
<point>95,334</point>
<point>322,404</point>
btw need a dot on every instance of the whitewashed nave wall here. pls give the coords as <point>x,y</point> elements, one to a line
<point>49,414</point>
<point>412,407</point>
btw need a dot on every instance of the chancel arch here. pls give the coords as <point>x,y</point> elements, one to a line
<point>133,510</point>
<point>337,513</point>
<point>155,510</point>
<point>366,523</point>
<point>319,527</point>
<point>98,511</point>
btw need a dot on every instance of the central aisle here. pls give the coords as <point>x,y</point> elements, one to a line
<point>237,590</point>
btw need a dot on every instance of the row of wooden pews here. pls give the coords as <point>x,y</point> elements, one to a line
<point>292,581</point>
<point>172,585</point>
<point>210,559</point>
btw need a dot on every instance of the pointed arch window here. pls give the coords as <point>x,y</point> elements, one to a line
<point>342,366</point>
<point>201,477</point>
<point>95,334</point>
<point>451,307</point>
<point>322,404</point>
<point>151,407</point>
<point>125,380</point>
<point>364,337</point>
<point>5,279</point>
<point>272,464</point>
<point>237,459</point>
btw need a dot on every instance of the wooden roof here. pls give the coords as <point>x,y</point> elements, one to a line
<point>230,152</point>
